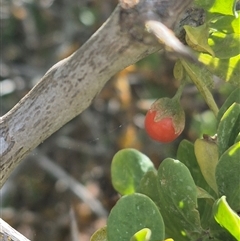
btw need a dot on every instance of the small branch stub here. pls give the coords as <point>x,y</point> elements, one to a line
<point>151,22</point>
<point>126,4</point>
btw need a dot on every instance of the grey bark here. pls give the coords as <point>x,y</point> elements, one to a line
<point>65,91</point>
<point>8,233</point>
<point>69,87</point>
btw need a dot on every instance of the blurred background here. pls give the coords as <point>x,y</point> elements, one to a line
<point>63,191</point>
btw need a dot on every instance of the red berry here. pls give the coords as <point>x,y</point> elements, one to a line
<point>165,120</point>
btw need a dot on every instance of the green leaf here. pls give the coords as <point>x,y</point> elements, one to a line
<point>224,45</point>
<point>127,169</point>
<point>198,74</point>
<point>131,214</point>
<point>201,193</point>
<point>233,97</point>
<point>178,200</point>
<point>100,235</point>
<point>225,24</point>
<point>226,217</point>
<point>226,7</point>
<point>206,152</point>
<point>205,4</point>
<point>228,128</point>
<point>186,155</point>
<point>226,69</point>
<point>237,138</point>
<point>227,176</point>
<point>178,71</point>
<point>142,235</point>
<point>205,194</point>
<point>149,186</point>
<point>203,79</point>
<point>204,122</point>
<point>197,38</point>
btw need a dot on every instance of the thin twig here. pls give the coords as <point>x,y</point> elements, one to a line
<point>72,184</point>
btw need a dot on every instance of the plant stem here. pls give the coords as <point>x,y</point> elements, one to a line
<point>178,94</point>
<point>193,72</point>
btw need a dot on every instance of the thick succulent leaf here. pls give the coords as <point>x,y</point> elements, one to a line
<point>142,235</point>
<point>233,97</point>
<point>224,45</point>
<point>225,7</point>
<point>100,235</point>
<point>178,199</point>
<point>226,69</point>
<point>226,217</point>
<point>228,128</point>
<point>127,169</point>
<point>197,38</point>
<point>227,176</point>
<point>186,155</point>
<point>206,152</point>
<point>131,214</point>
